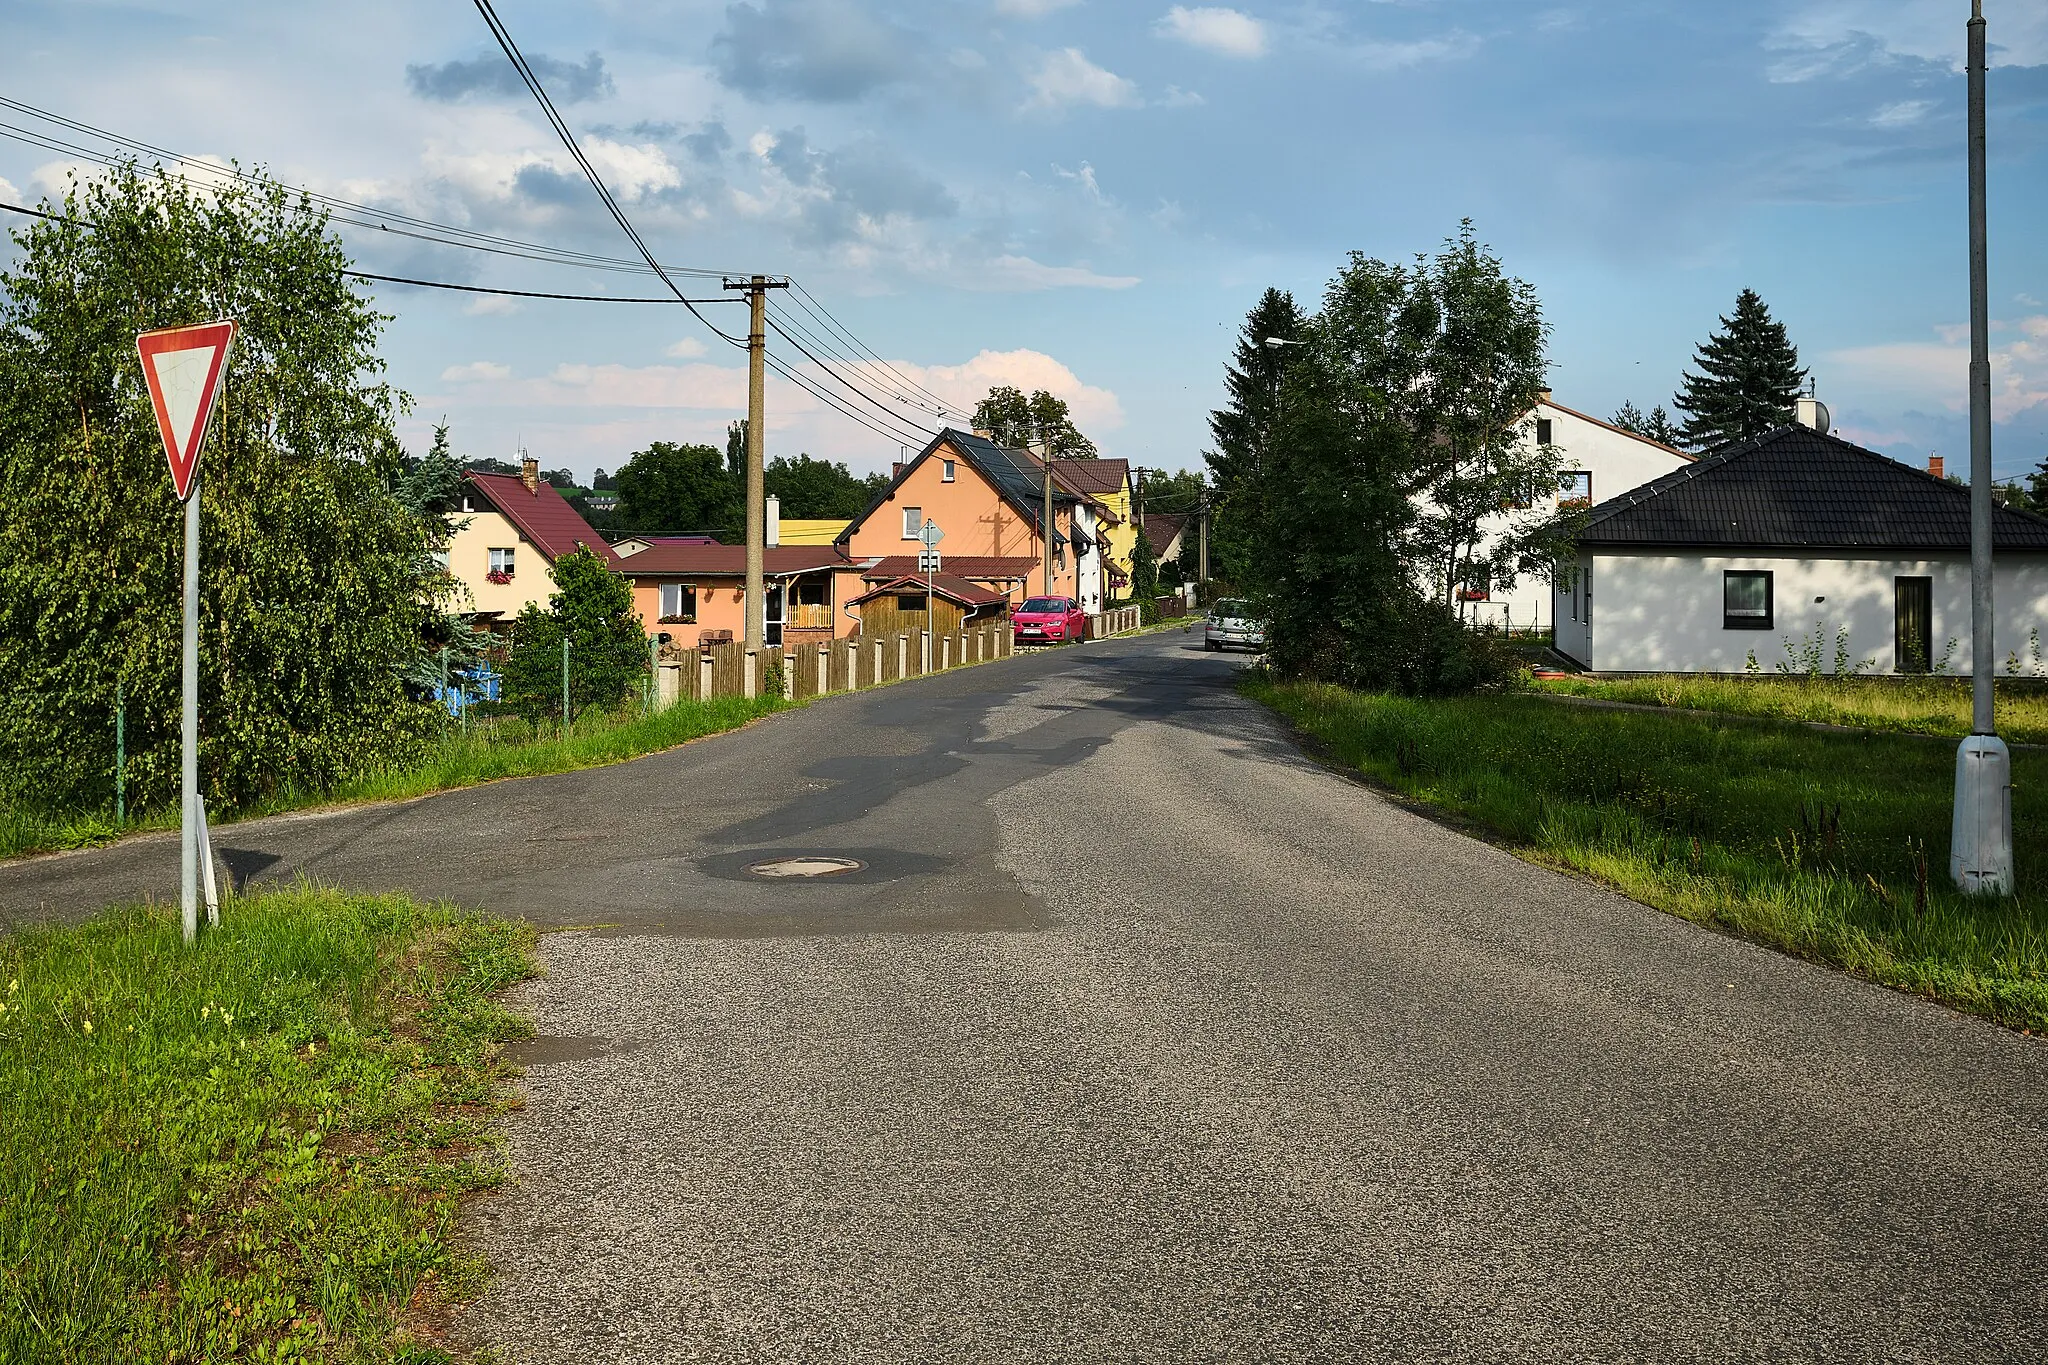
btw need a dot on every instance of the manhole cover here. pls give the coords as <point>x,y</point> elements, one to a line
<point>805,867</point>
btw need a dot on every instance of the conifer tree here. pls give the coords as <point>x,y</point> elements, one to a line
<point>1657,427</point>
<point>1241,430</point>
<point>1748,380</point>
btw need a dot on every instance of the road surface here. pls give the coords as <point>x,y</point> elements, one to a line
<point>1137,1036</point>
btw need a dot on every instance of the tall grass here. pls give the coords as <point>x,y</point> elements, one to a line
<point>1808,840</point>
<point>1924,705</point>
<point>484,752</point>
<point>251,1149</point>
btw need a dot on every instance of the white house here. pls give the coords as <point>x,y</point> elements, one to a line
<point>1797,548</point>
<point>1597,461</point>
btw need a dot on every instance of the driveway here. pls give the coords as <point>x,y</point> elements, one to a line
<point>1137,1036</point>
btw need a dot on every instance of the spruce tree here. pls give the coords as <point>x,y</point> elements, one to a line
<point>1656,427</point>
<point>1748,381</point>
<point>1241,429</point>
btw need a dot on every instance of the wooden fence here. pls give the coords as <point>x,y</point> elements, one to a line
<point>809,670</point>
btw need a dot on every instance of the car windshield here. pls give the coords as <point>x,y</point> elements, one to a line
<point>1231,610</point>
<point>1051,605</point>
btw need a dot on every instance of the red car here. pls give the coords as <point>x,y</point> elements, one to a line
<point>1042,620</point>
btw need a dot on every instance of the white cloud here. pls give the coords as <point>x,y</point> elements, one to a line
<point>1226,31</point>
<point>1937,372</point>
<point>689,348</point>
<point>962,386</point>
<point>1823,37</point>
<point>1031,9</point>
<point>476,371</point>
<point>1377,56</point>
<point>1901,114</point>
<point>1022,274</point>
<point>9,193</point>
<point>491,306</point>
<point>1067,78</point>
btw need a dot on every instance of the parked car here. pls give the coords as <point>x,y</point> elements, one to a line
<point>1231,625</point>
<point>1042,620</point>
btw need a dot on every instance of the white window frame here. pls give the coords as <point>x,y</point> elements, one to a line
<point>501,561</point>
<point>913,523</point>
<point>946,471</point>
<point>671,609</point>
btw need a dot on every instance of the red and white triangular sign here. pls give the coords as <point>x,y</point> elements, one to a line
<point>183,366</point>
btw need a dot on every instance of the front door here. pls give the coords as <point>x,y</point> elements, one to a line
<point>1914,623</point>
<point>771,616</point>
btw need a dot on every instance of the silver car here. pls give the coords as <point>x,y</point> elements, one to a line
<point>1231,625</point>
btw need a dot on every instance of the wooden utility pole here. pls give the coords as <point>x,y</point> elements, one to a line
<point>757,288</point>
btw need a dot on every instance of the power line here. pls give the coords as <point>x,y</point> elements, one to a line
<point>843,382</point>
<point>568,138</point>
<point>421,284</point>
<point>788,325</point>
<point>810,303</point>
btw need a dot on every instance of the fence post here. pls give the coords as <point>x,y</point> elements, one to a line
<point>120,752</point>
<point>788,674</point>
<point>565,682</point>
<point>748,682</point>
<point>653,670</point>
<point>902,656</point>
<point>825,668</point>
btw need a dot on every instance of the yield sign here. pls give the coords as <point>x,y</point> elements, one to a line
<point>182,366</point>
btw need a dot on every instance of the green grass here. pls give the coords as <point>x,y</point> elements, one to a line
<point>1804,839</point>
<point>250,1150</point>
<point>505,747</point>
<point>1926,705</point>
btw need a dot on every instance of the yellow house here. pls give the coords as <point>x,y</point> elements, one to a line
<point>509,531</point>
<point>811,531</point>
<point>1108,482</point>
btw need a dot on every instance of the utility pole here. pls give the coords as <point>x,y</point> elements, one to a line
<point>756,287</point>
<point>1980,837</point>
<point>1045,464</point>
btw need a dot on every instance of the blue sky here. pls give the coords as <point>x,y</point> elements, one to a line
<point>1087,196</point>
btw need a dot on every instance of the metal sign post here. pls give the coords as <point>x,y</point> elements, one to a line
<point>183,368</point>
<point>929,537</point>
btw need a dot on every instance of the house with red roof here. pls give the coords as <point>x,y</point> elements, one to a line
<point>509,531</point>
<point>695,590</point>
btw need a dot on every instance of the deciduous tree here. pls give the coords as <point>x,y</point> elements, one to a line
<point>313,595</point>
<point>1011,419</point>
<point>680,488</point>
<point>592,608</point>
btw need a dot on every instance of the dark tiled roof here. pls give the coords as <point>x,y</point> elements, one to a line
<point>712,560</point>
<point>945,585</point>
<point>551,524</point>
<point>984,567</point>
<point>1162,527</point>
<point>1795,488</point>
<point>1096,476</point>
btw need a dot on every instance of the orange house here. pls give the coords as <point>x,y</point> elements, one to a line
<point>989,501</point>
<point>697,590</point>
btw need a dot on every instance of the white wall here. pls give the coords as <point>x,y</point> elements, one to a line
<point>1089,577</point>
<point>1617,461</point>
<point>1662,613</point>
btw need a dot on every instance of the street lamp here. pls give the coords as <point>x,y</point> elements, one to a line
<point>1280,341</point>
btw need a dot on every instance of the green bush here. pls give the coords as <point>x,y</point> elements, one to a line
<point>592,608</point>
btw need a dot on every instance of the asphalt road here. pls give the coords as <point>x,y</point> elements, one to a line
<point>1141,1037</point>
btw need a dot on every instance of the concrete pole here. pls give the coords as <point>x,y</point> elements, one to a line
<point>757,403</point>
<point>1045,463</point>
<point>1980,838</point>
<point>188,730</point>
<point>1202,556</point>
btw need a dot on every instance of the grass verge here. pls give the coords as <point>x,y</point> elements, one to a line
<point>1925,705</point>
<point>1829,845</point>
<point>507,747</point>
<point>250,1150</point>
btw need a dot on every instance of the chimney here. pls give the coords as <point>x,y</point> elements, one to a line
<point>1934,466</point>
<point>896,469</point>
<point>1543,395</point>
<point>772,520</point>
<point>529,472</point>
<point>1811,412</point>
<point>984,435</point>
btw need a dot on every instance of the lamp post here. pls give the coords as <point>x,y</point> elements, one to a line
<point>1980,837</point>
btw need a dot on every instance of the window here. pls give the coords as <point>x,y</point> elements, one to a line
<point>1575,488</point>
<point>946,471</point>
<point>910,603</point>
<point>501,566</point>
<point>913,522</point>
<point>678,604</point>
<point>1542,431</point>
<point>1746,599</point>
